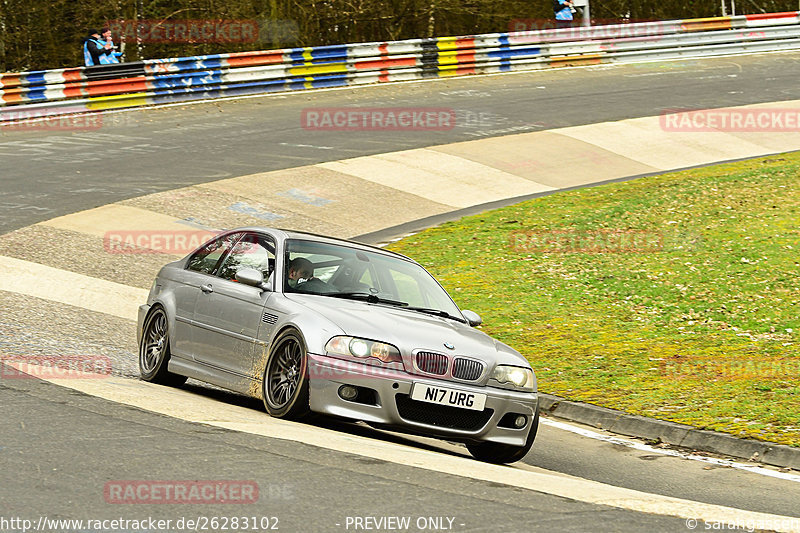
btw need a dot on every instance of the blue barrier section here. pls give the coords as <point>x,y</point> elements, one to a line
<point>204,78</point>
<point>36,77</point>
<point>37,94</point>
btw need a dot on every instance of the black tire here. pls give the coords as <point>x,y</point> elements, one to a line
<point>492,452</point>
<point>154,350</point>
<point>285,382</point>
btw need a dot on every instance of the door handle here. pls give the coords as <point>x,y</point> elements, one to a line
<point>207,288</point>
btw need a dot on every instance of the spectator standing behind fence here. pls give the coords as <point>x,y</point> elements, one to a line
<point>108,44</point>
<point>98,49</point>
<point>563,10</point>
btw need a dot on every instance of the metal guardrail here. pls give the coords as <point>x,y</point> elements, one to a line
<point>156,81</point>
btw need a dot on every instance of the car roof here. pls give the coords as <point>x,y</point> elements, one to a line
<point>308,236</point>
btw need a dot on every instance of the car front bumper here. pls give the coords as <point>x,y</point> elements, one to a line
<point>391,404</point>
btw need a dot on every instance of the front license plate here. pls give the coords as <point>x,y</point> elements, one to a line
<point>452,397</point>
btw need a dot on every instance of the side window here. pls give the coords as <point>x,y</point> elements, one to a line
<point>206,259</point>
<point>252,251</point>
<point>310,272</point>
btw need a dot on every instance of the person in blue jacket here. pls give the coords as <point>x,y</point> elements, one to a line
<point>93,48</point>
<point>563,10</point>
<point>98,49</point>
<point>114,56</point>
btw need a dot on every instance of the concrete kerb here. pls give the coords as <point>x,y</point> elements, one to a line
<point>679,435</point>
<point>393,233</point>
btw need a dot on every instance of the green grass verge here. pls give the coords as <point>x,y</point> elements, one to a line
<point>673,296</point>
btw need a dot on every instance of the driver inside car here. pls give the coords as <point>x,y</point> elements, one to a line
<point>301,277</point>
<point>300,270</point>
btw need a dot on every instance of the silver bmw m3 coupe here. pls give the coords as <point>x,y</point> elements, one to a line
<point>316,324</point>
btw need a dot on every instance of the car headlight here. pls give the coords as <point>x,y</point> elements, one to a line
<point>363,349</point>
<point>517,376</point>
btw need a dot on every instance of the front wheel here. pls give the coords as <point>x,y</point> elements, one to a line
<point>285,383</point>
<point>492,452</point>
<point>154,351</point>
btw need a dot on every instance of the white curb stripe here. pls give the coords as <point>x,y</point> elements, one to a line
<point>48,283</point>
<point>437,176</point>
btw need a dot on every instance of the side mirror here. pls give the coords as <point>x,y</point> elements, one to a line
<point>253,278</point>
<point>473,318</point>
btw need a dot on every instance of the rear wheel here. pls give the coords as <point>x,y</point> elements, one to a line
<point>285,383</point>
<point>154,350</point>
<point>492,452</point>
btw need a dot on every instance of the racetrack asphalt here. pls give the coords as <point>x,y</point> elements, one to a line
<point>161,149</point>
<point>47,173</point>
<point>57,463</point>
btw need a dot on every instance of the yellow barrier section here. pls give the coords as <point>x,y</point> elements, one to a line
<point>100,103</point>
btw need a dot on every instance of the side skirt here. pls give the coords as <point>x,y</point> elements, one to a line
<point>216,376</point>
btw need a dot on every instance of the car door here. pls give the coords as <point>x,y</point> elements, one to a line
<point>228,313</point>
<point>198,271</point>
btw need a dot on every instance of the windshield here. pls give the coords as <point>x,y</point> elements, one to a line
<point>343,272</point>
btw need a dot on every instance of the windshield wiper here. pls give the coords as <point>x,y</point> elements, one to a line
<point>437,312</point>
<point>367,297</point>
